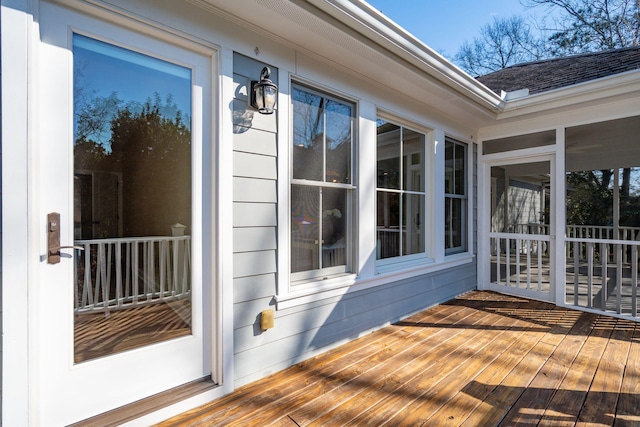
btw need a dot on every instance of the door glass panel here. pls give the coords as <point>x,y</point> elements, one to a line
<point>132,199</point>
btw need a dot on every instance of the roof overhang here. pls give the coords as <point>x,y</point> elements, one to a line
<point>595,91</point>
<point>355,38</point>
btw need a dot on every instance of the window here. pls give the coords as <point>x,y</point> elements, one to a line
<point>321,187</point>
<point>455,188</point>
<point>400,191</point>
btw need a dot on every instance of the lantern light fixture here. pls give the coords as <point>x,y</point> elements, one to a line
<point>264,93</point>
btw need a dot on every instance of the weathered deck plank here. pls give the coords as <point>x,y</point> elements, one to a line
<point>482,359</point>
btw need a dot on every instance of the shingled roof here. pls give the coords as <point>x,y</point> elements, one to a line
<point>542,76</point>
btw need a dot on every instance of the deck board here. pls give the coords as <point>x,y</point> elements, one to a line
<point>481,359</point>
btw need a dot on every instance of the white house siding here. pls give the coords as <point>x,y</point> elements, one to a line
<point>524,202</point>
<point>305,330</point>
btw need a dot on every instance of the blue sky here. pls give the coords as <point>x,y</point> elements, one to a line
<point>445,24</point>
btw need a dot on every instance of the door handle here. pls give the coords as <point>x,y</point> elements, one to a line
<point>53,239</point>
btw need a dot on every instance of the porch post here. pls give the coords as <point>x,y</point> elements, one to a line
<point>558,224</point>
<point>616,204</point>
<point>484,214</point>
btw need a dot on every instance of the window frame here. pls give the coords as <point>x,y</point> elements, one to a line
<point>414,259</point>
<point>450,197</point>
<point>325,275</point>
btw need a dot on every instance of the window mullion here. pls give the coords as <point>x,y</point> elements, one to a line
<point>402,221</point>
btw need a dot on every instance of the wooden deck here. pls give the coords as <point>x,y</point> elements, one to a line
<point>482,359</point>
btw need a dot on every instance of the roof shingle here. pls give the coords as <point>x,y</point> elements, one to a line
<point>542,76</point>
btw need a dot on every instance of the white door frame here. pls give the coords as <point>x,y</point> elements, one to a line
<point>22,235</point>
<point>557,218</point>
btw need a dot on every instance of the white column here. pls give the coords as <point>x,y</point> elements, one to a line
<point>484,221</point>
<point>558,218</point>
<point>616,204</point>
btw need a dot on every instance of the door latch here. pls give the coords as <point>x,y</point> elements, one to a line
<point>53,239</point>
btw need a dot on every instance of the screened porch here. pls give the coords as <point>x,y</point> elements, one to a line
<point>598,250</point>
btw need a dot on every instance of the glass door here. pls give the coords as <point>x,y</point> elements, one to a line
<point>121,309</point>
<point>521,241</point>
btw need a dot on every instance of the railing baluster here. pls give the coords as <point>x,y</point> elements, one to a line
<point>518,250</point>
<point>98,281</point>
<point>163,263</point>
<point>87,293</point>
<point>186,269</point>
<point>507,262</point>
<point>108,264</point>
<point>590,255</point>
<point>604,249</point>
<point>619,278</point>
<point>134,271</point>
<point>634,280</point>
<point>540,250</point>
<point>103,277</point>
<point>176,270</point>
<point>128,292</point>
<point>119,296</point>
<point>529,249</point>
<point>576,272</point>
<point>498,252</point>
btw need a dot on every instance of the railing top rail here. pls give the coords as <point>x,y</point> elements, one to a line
<point>606,241</point>
<point>131,239</point>
<point>521,236</point>
<point>603,227</point>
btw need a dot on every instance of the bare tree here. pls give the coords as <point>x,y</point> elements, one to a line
<point>591,25</point>
<point>503,42</point>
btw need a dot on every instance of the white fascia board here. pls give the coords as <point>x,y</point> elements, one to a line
<point>619,84</point>
<point>372,24</point>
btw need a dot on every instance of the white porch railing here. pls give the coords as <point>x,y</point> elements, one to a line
<point>602,232</point>
<point>532,228</point>
<point>520,260</point>
<point>601,270</point>
<point>122,272</point>
<point>602,274</point>
<point>580,231</point>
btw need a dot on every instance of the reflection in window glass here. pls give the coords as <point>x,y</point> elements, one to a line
<point>132,199</point>
<point>321,190</point>
<point>401,193</point>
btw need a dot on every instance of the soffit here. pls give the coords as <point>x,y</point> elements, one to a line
<point>351,46</point>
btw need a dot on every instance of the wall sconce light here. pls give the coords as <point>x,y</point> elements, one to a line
<point>264,93</point>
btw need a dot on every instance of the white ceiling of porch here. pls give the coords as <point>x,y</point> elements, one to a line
<point>604,145</point>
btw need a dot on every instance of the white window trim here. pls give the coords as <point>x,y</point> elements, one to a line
<point>296,282</point>
<point>368,272</point>
<point>389,265</point>
<point>468,196</point>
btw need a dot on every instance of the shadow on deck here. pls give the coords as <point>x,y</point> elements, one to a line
<point>480,359</point>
